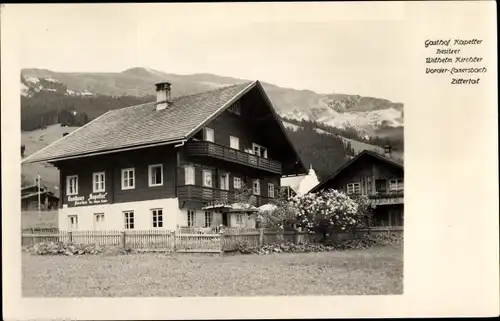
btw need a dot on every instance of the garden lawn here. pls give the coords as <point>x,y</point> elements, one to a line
<point>374,271</point>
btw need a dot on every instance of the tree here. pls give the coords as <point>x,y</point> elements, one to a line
<point>327,209</point>
<point>282,215</point>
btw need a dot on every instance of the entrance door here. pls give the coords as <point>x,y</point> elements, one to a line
<point>224,219</point>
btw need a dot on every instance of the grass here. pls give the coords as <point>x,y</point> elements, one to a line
<point>355,272</point>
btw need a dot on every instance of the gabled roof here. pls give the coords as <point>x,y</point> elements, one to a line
<point>142,126</point>
<point>364,153</point>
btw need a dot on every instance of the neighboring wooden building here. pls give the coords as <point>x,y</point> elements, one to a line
<point>29,198</point>
<point>158,165</point>
<point>379,177</point>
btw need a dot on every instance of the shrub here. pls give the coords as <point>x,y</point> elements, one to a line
<point>288,247</point>
<point>59,248</point>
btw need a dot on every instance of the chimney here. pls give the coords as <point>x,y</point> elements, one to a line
<point>387,151</point>
<point>163,98</point>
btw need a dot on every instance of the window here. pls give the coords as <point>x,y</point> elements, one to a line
<point>380,186</point>
<point>209,135</point>
<point>190,219</point>
<point>354,188</point>
<point>72,185</point>
<point>98,221</point>
<point>256,187</point>
<point>98,182</point>
<point>208,219</point>
<point>235,108</point>
<point>128,178</point>
<point>259,150</point>
<point>155,175</point>
<point>129,220</point>
<point>157,217</point>
<point>234,142</point>
<point>207,178</point>
<point>395,185</point>
<point>73,222</point>
<point>239,218</point>
<point>224,182</point>
<point>237,182</point>
<point>270,190</point>
<point>189,175</point>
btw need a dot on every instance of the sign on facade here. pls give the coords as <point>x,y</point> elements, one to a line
<point>91,199</point>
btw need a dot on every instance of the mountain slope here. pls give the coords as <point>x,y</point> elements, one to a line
<point>365,114</point>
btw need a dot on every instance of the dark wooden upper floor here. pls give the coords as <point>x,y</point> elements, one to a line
<point>368,175</point>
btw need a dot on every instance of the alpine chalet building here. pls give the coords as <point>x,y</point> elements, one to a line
<point>158,165</point>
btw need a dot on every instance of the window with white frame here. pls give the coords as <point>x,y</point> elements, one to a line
<point>259,150</point>
<point>256,187</point>
<point>128,178</point>
<point>208,219</point>
<point>239,218</point>
<point>191,217</point>
<point>98,221</point>
<point>209,135</point>
<point>157,217</point>
<point>73,222</point>
<point>72,185</point>
<point>207,178</point>
<point>129,220</point>
<point>189,175</point>
<point>395,185</point>
<point>98,184</point>
<point>237,182</point>
<point>353,188</point>
<point>155,173</point>
<point>234,142</point>
<point>270,190</point>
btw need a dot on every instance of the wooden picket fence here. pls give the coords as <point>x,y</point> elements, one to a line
<point>172,241</point>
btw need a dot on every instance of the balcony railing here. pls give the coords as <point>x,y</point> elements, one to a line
<point>204,148</point>
<point>387,198</point>
<point>208,194</point>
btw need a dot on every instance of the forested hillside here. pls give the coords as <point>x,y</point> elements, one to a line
<point>396,141</point>
<point>326,153</point>
<point>48,108</point>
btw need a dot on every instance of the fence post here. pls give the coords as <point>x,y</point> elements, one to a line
<point>70,236</point>
<point>122,239</point>
<point>296,236</point>
<point>261,237</point>
<point>221,242</point>
<point>175,241</point>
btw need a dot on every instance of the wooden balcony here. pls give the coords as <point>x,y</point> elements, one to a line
<point>207,195</point>
<point>203,148</point>
<point>387,198</point>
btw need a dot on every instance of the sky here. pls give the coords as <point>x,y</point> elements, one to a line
<point>324,47</point>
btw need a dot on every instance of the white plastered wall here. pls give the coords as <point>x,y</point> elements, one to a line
<point>114,217</point>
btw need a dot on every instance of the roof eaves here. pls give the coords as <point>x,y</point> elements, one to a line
<point>107,151</point>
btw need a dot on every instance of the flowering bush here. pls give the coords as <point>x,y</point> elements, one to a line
<point>331,209</point>
<point>365,210</point>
